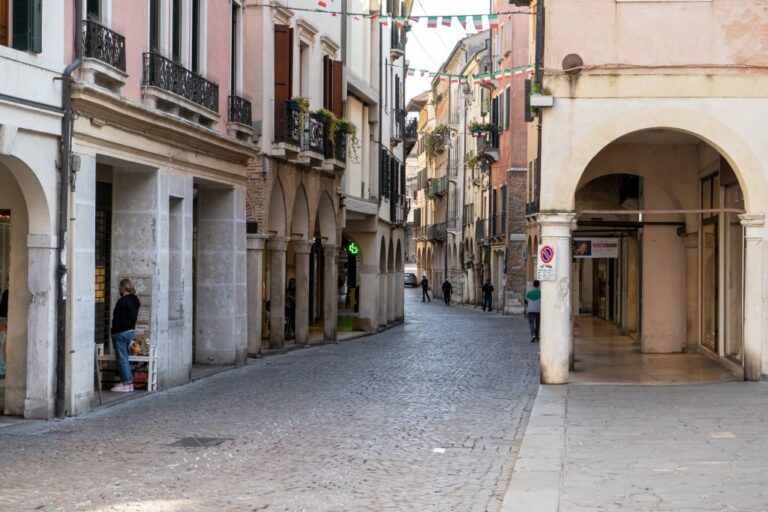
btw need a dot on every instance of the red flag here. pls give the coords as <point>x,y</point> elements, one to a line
<point>322,3</point>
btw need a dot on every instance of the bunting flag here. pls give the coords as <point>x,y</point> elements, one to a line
<point>322,4</point>
<point>432,22</point>
<point>447,21</point>
<point>400,22</point>
<point>485,77</point>
<point>478,21</point>
<point>384,21</point>
<point>463,20</point>
<point>493,21</point>
<point>414,19</point>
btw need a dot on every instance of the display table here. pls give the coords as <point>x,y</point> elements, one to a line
<point>150,360</point>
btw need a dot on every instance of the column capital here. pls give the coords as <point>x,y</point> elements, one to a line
<point>256,242</point>
<point>754,224</point>
<point>302,246</point>
<point>278,244</point>
<point>557,224</point>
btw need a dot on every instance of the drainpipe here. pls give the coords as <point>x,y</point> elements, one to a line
<point>539,79</point>
<point>65,166</point>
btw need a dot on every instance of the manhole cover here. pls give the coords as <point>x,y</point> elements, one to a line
<point>199,442</point>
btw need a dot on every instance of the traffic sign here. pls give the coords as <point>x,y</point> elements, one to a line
<point>547,254</point>
<point>546,270</point>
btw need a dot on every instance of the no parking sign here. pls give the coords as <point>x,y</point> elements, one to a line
<point>546,270</point>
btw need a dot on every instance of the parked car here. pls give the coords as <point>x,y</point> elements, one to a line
<point>411,280</point>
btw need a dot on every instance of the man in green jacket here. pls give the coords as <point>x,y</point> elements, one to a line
<point>533,301</point>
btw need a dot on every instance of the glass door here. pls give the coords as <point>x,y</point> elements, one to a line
<point>709,285</point>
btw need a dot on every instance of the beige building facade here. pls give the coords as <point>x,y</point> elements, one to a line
<point>651,144</point>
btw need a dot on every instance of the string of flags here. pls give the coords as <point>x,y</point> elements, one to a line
<point>467,79</point>
<point>477,21</point>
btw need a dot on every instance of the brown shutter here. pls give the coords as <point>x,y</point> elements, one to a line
<point>283,60</point>
<point>327,84</point>
<point>336,101</point>
<point>4,24</point>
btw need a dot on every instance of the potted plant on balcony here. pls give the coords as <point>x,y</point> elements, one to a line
<point>338,125</point>
<point>481,129</point>
<point>299,103</point>
<point>435,142</point>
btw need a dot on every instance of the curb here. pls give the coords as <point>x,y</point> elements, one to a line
<point>537,477</point>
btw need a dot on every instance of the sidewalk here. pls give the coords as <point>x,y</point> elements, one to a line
<point>644,448</point>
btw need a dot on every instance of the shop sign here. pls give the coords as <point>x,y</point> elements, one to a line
<point>546,269</point>
<point>595,248</point>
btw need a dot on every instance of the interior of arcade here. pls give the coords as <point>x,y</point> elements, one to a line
<point>658,267</point>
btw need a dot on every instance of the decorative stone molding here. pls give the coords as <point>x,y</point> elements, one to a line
<point>7,137</point>
<point>330,47</point>
<point>557,225</point>
<point>754,225</point>
<point>281,14</point>
<point>306,31</point>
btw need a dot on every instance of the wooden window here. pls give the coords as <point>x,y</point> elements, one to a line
<point>332,93</point>
<point>196,32</point>
<point>28,25</point>
<point>283,67</point>
<point>5,25</point>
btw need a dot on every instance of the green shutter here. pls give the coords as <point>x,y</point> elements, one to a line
<point>28,25</point>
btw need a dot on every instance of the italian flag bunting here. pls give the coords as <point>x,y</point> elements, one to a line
<point>493,20</point>
<point>384,21</point>
<point>463,21</point>
<point>478,21</point>
<point>447,21</point>
<point>507,72</point>
<point>432,22</point>
<point>413,19</point>
<point>321,3</point>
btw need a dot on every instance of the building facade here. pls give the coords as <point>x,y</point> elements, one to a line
<point>651,174</point>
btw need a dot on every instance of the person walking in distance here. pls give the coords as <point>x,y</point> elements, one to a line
<point>533,303</point>
<point>488,296</point>
<point>123,326</point>
<point>447,291</point>
<point>425,289</point>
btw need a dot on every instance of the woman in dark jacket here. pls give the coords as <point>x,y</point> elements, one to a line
<point>123,326</point>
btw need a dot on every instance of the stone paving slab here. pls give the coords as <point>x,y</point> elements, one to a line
<point>642,449</point>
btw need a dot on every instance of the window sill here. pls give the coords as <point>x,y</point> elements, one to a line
<point>159,99</point>
<point>95,72</point>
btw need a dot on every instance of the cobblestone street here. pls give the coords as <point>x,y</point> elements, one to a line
<point>425,416</point>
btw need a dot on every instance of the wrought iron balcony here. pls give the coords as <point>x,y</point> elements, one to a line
<point>239,111</point>
<point>337,149</point>
<point>289,127</point>
<point>532,208</point>
<point>103,44</point>
<point>499,225</point>
<point>175,78</point>
<point>439,187</point>
<point>438,231</point>
<point>315,129</point>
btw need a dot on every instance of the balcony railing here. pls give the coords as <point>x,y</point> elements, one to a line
<point>438,231</point>
<point>103,44</point>
<point>337,150</point>
<point>314,134</point>
<point>175,78</point>
<point>289,125</point>
<point>454,223</point>
<point>532,208</point>
<point>439,187</point>
<point>239,111</point>
<point>421,231</point>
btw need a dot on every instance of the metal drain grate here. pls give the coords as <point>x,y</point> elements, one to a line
<point>200,442</point>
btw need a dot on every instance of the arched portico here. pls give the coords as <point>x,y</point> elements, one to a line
<point>278,246</point>
<point>27,271</point>
<point>677,154</point>
<point>301,246</point>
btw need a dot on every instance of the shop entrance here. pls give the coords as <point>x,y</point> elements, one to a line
<point>658,262</point>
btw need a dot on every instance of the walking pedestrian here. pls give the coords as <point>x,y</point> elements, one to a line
<point>447,291</point>
<point>123,326</point>
<point>533,303</point>
<point>425,289</point>
<point>488,296</point>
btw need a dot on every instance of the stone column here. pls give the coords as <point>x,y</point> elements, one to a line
<point>255,249</point>
<point>556,315</point>
<point>754,295</point>
<point>330,293</point>
<point>391,300</point>
<point>41,332</point>
<point>301,250</point>
<point>277,247</point>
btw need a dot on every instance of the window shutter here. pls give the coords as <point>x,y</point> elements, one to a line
<point>528,113</point>
<point>336,96</point>
<point>282,70</point>
<point>28,25</point>
<point>4,24</point>
<point>507,108</point>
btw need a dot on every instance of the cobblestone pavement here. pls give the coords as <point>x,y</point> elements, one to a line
<point>426,416</point>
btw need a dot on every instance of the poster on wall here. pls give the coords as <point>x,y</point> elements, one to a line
<point>595,248</point>
<point>143,285</point>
